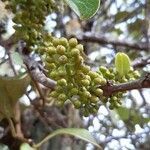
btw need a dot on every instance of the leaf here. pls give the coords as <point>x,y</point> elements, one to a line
<point>85,9</point>
<point>136,28</point>
<point>26,146</point>
<point>120,16</point>
<point>16,58</point>
<point>122,64</point>
<point>123,113</point>
<point>11,89</point>
<point>82,134</point>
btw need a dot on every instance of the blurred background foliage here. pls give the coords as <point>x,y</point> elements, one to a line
<point>126,128</point>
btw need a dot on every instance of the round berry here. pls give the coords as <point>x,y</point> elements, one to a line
<point>73,42</point>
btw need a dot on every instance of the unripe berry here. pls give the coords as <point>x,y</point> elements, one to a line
<point>77,104</point>
<point>50,66</point>
<point>63,41</point>
<point>85,82</point>
<point>73,42</point>
<point>98,92</point>
<point>94,99</point>
<point>55,41</point>
<point>62,72</point>
<point>75,52</point>
<point>59,89</point>
<point>54,74</point>
<point>51,50</point>
<point>97,81</point>
<point>53,94</point>
<point>62,97</point>
<point>79,60</point>
<point>136,74</point>
<point>103,81</point>
<point>49,59</point>
<point>74,91</point>
<point>88,77</point>
<point>93,74</point>
<point>63,59</point>
<point>86,94</point>
<point>103,69</point>
<point>80,47</point>
<point>61,49</point>
<point>62,82</point>
<point>85,69</point>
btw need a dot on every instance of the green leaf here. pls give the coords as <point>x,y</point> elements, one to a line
<point>11,89</point>
<point>85,9</point>
<point>26,146</point>
<point>122,64</point>
<point>79,133</point>
<point>123,113</point>
<point>16,58</point>
<point>120,16</point>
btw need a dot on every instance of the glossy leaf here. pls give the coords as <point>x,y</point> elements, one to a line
<point>11,89</point>
<point>85,9</point>
<point>122,64</point>
<point>82,134</point>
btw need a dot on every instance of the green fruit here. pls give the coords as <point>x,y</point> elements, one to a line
<point>79,60</point>
<point>50,66</point>
<point>93,74</point>
<point>53,74</point>
<point>75,52</point>
<point>98,92</point>
<point>62,97</point>
<point>63,41</point>
<point>136,74</point>
<point>85,69</point>
<point>62,82</point>
<point>73,42</point>
<point>59,89</point>
<point>49,59</point>
<point>103,81</point>
<point>86,94</point>
<point>51,50</point>
<point>53,94</point>
<point>97,81</point>
<point>55,41</point>
<point>85,82</point>
<point>94,99</point>
<point>80,47</point>
<point>77,104</point>
<point>103,69</point>
<point>63,59</point>
<point>74,91</point>
<point>61,49</point>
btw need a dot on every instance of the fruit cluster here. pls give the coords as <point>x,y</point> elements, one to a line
<point>63,58</point>
<point>29,19</point>
<point>112,75</point>
<point>75,81</point>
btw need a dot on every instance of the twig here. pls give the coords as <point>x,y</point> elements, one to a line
<point>104,41</point>
<point>137,84</point>
<point>141,63</point>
